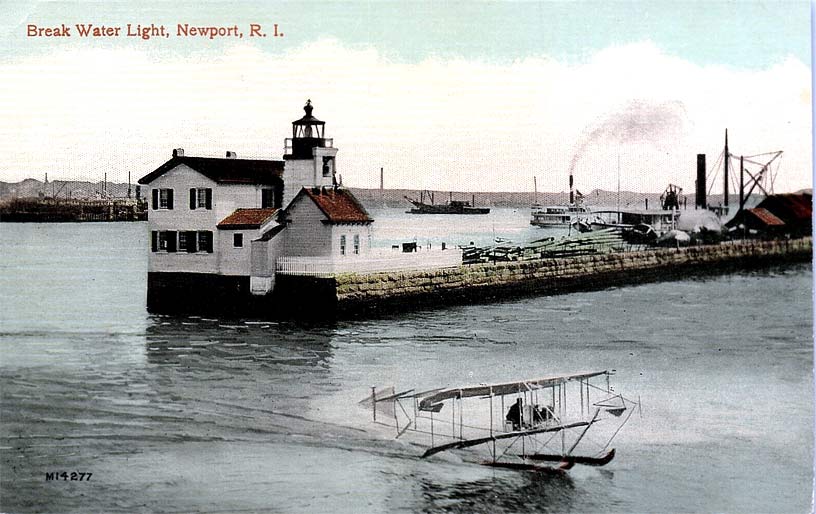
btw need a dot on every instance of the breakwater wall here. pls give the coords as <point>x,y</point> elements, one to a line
<point>352,294</point>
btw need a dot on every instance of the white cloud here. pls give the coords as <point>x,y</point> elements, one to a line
<point>442,124</point>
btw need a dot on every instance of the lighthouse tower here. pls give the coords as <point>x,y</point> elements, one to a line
<point>310,156</point>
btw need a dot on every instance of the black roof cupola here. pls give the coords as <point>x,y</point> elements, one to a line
<point>307,133</point>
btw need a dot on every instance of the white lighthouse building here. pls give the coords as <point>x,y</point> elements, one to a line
<point>219,225</point>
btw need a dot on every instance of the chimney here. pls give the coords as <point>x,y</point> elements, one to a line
<point>178,152</point>
<point>231,155</point>
<point>700,192</point>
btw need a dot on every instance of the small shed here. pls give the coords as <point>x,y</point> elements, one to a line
<point>795,210</point>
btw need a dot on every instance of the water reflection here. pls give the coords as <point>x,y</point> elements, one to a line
<point>236,345</point>
<point>512,492</point>
<point>240,379</point>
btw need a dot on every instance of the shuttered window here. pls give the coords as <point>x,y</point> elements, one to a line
<point>183,242</point>
<point>190,236</point>
<point>162,199</point>
<point>168,241</point>
<point>342,245</point>
<point>238,240</point>
<point>163,241</point>
<point>205,241</point>
<point>188,241</point>
<point>200,198</point>
<point>172,240</point>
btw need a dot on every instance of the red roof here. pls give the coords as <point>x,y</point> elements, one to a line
<point>766,217</point>
<point>246,218</point>
<point>339,205</point>
<point>790,207</point>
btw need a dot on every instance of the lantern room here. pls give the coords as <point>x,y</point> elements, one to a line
<point>308,133</point>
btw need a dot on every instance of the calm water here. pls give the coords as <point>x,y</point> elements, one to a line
<point>205,415</point>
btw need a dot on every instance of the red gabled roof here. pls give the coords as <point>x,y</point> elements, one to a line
<point>246,218</point>
<point>224,170</point>
<point>765,216</point>
<point>790,207</point>
<point>339,205</point>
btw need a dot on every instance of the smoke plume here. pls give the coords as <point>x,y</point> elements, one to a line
<point>657,124</point>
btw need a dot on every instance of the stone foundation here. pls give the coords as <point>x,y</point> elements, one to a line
<point>357,293</point>
<point>353,294</point>
<point>197,293</point>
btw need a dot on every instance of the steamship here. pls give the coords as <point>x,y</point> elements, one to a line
<point>551,216</point>
<point>452,207</point>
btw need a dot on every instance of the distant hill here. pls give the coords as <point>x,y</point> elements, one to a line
<point>371,198</point>
<point>33,188</point>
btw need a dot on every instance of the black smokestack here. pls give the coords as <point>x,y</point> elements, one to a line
<point>572,195</point>
<point>700,195</point>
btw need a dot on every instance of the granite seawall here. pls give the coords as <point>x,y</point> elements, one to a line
<point>351,294</point>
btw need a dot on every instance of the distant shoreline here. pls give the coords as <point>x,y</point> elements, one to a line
<point>371,197</point>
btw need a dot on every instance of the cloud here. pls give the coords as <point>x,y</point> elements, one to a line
<point>439,123</point>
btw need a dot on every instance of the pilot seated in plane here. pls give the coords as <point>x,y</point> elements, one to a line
<point>514,415</point>
<point>528,416</point>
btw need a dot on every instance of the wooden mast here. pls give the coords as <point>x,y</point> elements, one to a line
<point>725,176</point>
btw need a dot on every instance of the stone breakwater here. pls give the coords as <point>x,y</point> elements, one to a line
<point>359,293</point>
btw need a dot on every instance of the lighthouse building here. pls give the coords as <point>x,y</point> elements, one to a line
<point>219,225</point>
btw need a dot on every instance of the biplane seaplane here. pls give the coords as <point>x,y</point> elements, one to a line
<point>513,425</point>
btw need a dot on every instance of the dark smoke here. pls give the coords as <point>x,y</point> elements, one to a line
<point>657,124</point>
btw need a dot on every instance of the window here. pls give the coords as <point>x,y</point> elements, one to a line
<point>200,198</point>
<point>163,241</point>
<point>162,199</point>
<point>267,198</point>
<point>205,241</point>
<point>356,244</point>
<point>342,245</point>
<point>185,241</point>
<point>328,164</point>
<point>190,236</point>
<point>238,240</point>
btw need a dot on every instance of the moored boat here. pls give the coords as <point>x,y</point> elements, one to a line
<point>452,207</point>
<point>559,215</point>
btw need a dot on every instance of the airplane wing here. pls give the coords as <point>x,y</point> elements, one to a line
<point>429,401</point>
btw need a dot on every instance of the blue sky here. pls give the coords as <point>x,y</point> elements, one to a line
<point>745,34</point>
<point>444,95</point>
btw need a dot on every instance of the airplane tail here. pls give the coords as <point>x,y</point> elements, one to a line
<point>381,402</point>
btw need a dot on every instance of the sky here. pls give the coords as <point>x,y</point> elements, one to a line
<point>451,96</point>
